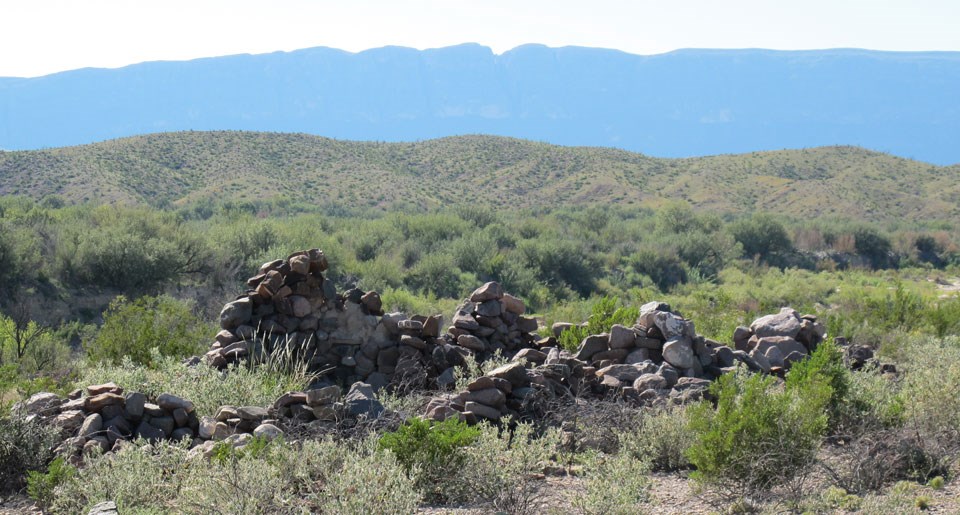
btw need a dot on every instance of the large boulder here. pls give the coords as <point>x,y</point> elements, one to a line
<point>678,351</point>
<point>785,323</point>
<point>38,404</point>
<point>236,313</point>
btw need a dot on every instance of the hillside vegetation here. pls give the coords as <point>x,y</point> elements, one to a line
<point>193,168</point>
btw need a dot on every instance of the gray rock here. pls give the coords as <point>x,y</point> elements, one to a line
<point>489,396</point>
<point>104,508</point>
<point>531,355</point>
<point>512,304</point>
<point>42,403</point>
<point>268,431</point>
<point>760,360</point>
<point>513,372</point>
<point>741,335</point>
<point>591,345</point>
<point>360,401</point>
<point>148,432</point>
<point>322,396</point>
<point>69,421</point>
<point>678,351</point>
<point>650,382</point>
<point>482,410</point>
<point>559,327</point>
<point>669,373</point>
<point>471,342</point>
<point>255,413</point>
<point>92,425</point>
<point>489,308</point>
<point>785,323</point>
<point>165,424</point>
<point>489,291</point>
<point>236,313</point>
<point>623,373</point>
<point>622,337</point>
<point>723,356</point>
<point>464,320</point>
<point>171,402</point>
<point>784,344</point>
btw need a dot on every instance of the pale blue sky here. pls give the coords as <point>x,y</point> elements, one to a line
<point>45,36</point>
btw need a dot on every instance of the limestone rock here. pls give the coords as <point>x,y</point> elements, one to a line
<point>785,323</point>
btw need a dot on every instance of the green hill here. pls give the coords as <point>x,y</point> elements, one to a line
<point>188,167</point>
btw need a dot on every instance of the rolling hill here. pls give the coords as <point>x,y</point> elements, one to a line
<point>193,167</point>
<point>679,104</point>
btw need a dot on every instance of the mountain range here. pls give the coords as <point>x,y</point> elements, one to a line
<point>680,104</point>
<point>198,168</point>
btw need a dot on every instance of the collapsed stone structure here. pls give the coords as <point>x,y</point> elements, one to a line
<point>347,337</point>
<point>659,359</point>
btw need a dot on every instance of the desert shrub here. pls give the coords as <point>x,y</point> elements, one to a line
<point>663,267</point>
<point>312,476</point>
<point>132,328</point>
<point>759,436</point>
<point>41,485</point>
<point>615,484</point>
<point>430,452</point>
<point>372,483</point>
<point>435,273</point>
<point>604,314</point>
<point>560,262</point>
<point>824,366</point>
<point>500,466</point>
<point>943,317</point>
<point>873,246</point>
<point>24,447</point>
<point>207,387</point>
<point>932,408</point>
<point>662,440</point>
<point>762,237</point>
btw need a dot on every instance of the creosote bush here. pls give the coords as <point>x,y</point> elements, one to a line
<point>24,447</point>
<point>760,435</point>
<point>132,328</point>
<point>431,452</point>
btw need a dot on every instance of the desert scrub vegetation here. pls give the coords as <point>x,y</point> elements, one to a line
<point>280,477</point>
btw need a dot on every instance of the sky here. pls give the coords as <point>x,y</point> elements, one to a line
<point>39,37</point>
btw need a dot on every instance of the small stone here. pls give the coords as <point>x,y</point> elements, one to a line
<point>92,425</point>
<point>267,431</point>
<point>559,327</point>
<point>300,264</point>
<point>471,342</point>
<point>97,402</point>
<point>489,308</point>
<point>299,306</point>
<point>164,424</point>
<point>97,389</point>
<point>489,396</point>
<point>637,356</point>
<point>171,402</point>
<point>323,396</point>
<point>489,291</point>
<point>225,413</point>
<point>785,323</point>
<point>531,355</point>
<point>592,345</point>
<point>482,410</point>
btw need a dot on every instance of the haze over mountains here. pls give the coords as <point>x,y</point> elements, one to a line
<point>684,103</point>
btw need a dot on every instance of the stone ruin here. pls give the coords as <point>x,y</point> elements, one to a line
<point>347,339</point>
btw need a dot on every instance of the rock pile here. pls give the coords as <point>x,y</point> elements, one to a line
<point>774,342</point>
<point>491,321</point>
<point>103,417</point>
<point>659,359</point>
